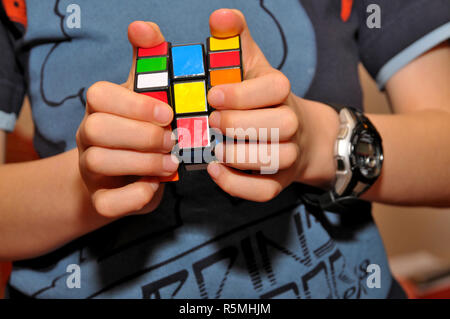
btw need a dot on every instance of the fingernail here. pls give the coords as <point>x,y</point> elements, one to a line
<point>214,169</point>
<point>155,27</point>
<point>162,114</point>
<point>214,119</point>
<point>168,141</point>
<point>216,97</point>
<point>151,181</point>
<point>170,163</point>
<point>154,184</point>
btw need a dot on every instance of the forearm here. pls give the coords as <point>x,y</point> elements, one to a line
<point>416,168</point>
<point>44,205</point>
<point>2,146</point>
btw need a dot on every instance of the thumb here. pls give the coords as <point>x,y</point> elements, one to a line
<point>142,34</point>
<point>226,23</point>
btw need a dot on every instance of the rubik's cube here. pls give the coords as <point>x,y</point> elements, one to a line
<point>181,76</point>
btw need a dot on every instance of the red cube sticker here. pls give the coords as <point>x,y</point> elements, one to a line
<point>159,95</point>
<point>224,59</point>
<point>155,51</point>
<point>193,132</point>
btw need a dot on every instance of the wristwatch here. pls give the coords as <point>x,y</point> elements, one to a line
<point>358,153</point>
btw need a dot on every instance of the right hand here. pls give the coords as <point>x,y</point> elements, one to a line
<point>124,140</point>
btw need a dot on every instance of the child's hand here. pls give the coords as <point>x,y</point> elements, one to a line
<point>307,130</point>
<point>124,141</point>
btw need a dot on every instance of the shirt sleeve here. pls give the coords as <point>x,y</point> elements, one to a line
<point>408,28</point>
<point>12,80</point>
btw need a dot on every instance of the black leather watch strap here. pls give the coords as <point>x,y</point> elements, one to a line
<point>348,199</point>
<point>340,205</point>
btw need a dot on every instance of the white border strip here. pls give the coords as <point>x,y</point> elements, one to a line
<point>7,121</point>
<point>416,49</point>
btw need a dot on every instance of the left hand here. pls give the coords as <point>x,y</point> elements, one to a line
<point>303,151</point>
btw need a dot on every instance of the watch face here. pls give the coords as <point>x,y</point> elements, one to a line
<point>367,155</point>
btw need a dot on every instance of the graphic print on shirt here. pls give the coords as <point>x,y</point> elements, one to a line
<point>248,258</point>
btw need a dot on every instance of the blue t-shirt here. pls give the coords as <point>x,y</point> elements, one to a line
<point>201,242</point>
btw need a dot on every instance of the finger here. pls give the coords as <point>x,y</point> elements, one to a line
<point>130,198</point>
<point>261,157</point>
<point>258,188</point>
<point>225,23</point>
<point>143,35</point>
<point>269,89</point>
<point>108,130</point>
<point>107,162</point>
<point>278,124</point>
<point>111,98</point>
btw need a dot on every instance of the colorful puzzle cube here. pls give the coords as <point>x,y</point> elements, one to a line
<point>180,76</point>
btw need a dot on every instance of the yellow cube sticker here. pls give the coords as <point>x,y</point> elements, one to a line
<point>216,44</point>
<point>190,97</point>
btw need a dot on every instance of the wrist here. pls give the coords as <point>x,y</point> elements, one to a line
<point>320,126</point>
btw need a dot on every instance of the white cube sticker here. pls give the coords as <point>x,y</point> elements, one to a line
<point>152,80</point>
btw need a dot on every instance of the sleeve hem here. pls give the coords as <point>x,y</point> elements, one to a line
<point>7,121</point>
<point>416,49</point>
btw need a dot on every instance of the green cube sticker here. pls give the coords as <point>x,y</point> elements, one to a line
<point>151,65</point>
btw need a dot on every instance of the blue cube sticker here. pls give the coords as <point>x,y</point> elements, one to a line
<point>187,61</point>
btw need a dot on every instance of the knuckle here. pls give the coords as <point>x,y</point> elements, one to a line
<point>143,106</point>
<point>101,204</point>
<point>154,163</point>
<point>237,94</point>
<point>92,159</point>
<point>94,93</point>
<point>91,128</point>
<point>282,84</point>
<point>271,192</point>
<point>289,123</point>
<point>154,136</point>
<point>144,195</point>
<point>227,121</point>
<point>141,102</point>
